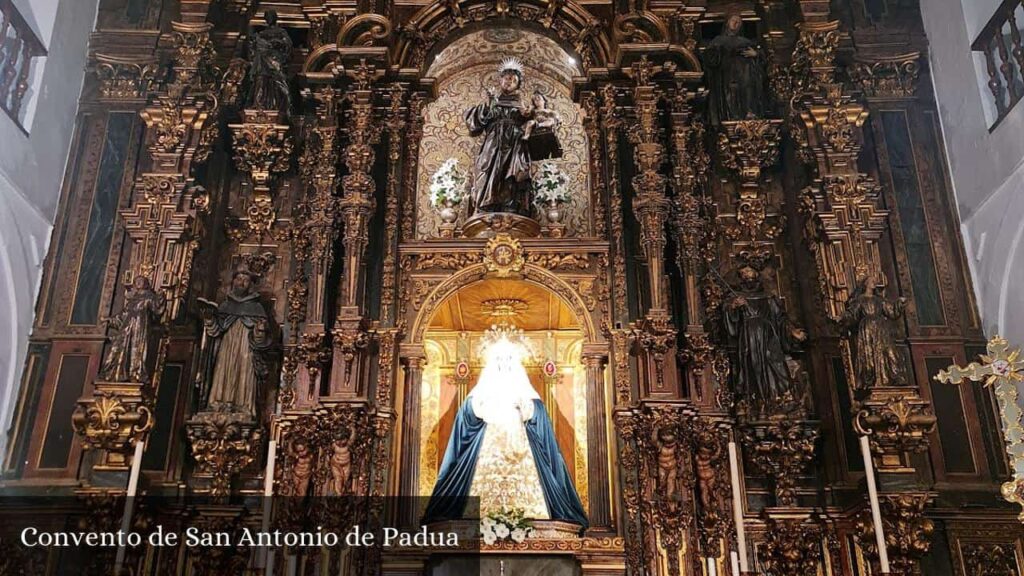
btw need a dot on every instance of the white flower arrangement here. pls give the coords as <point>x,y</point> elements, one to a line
<point>505,524</point>
<point>550,184</point>
<point>447,185</point>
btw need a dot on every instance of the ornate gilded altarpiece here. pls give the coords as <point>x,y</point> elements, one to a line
<point>180,177</point>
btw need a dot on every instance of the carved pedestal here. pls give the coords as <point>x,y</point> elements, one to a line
<point>781,448</point>
<point>489,225</point>
<point>262,148</point>
<point>907,532</point>
<point>116,416</point>
<point>898,422</point>
<point>747,147</point>
<point>223,444</point>
<point>218,560</point>
<point>792,544</point>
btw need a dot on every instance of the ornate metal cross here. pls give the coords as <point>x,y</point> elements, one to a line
<point>1001,368</point>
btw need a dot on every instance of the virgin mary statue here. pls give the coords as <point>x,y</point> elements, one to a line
<point>502,449</point>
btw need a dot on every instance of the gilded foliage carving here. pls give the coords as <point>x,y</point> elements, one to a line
<point>792,547</point>
<point>995,559</point>
<point>891,77</point>
<point>908,533</point>
<point>223,444</point>
<point>781,449</point>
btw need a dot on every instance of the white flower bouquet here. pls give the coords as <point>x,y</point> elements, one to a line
<point>447,185</point>
<point>550,185</point>
<point>505,525</point>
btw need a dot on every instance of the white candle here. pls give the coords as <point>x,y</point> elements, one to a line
<point>737,507</point>
<point>712,567</point>
<point>734,562</point>
<point>266,555</point>
<point>270,564</point>
<point>129,505</point>
<point>133,478</point>
<point>876,513</point>
<point>268,479</point>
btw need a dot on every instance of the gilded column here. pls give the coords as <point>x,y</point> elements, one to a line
<point>414,359</point>
<point>654,332</point>
<point>357,203</point>
<point>597,434</point>
<point>313,236</point>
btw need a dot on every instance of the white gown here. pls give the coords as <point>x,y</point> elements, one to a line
<point>506,475</point>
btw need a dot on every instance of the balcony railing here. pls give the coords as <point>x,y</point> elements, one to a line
<point>18,46</point>
<point>1000,41</point>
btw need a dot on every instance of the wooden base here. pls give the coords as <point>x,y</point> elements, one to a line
<point>488,224</point>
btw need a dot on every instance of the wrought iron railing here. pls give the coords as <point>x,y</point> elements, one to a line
<point>1000,41</point>
<point>18,46</point>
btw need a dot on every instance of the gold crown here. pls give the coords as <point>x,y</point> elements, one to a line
<point>505,332</point>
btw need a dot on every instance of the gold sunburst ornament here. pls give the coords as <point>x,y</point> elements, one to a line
<point>1003,369</point>
<point>504,308</point>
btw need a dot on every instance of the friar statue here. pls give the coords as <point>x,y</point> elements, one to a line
<point>736,75</point>
<point>868,322</point>
<point>759,328</point>
<point>131,344</point>
<point>501,180</point>
<point>269,50</point>
<point>236,348</point>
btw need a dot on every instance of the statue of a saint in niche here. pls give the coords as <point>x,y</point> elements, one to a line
<point>269,50</point>
<point>501,179</point>
<point>763,336</point>
<point>868,321</point>
<point>736,75</point>
<point>131,345</point>
<point>236,348</point>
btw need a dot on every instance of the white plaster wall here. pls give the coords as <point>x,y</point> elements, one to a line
<point>31,171</point>
<point>987,169</point>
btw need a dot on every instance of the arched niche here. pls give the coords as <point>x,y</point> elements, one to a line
<point>463,71</point>
<point>580,405</point>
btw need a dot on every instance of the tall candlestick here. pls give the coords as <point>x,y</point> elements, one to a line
<point>129,504</point>
<point>712,566</point>
<point>133,476</point>
<point>734,563</point>
<point>876,512</point>
<point>266,555</point>
<point>737,507</point>
<point>268,478</point>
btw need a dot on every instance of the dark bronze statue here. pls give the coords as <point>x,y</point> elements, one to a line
<point>501,179</point>
<point>868,322</point>
<point>269,50</point>
<point>763,335</point>
<point>131,345</point>
<point>236,348</point>
<point>736,76</point>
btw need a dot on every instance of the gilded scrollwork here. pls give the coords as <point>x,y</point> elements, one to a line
<point>781,448</point>
<point>889,77</point>
<point>908,533</point>
<point>792,547</point>
<point>223,444</point>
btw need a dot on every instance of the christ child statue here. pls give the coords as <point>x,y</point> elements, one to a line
<point>541,116</point>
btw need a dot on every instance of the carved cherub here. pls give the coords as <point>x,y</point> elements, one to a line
<point>302,466</point>
<point>340,465</point>
<point>668,463</point>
